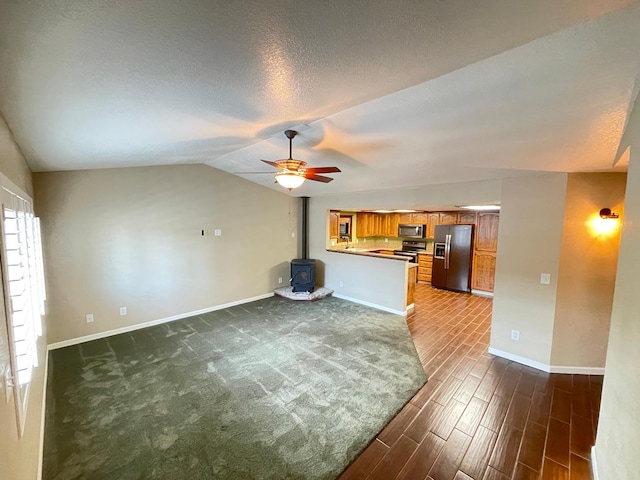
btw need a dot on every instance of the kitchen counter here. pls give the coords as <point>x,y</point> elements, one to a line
<point>368,253</point>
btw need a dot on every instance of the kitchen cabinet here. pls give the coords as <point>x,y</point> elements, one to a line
<point>405,218</point>
<point>433,219</point>
<point>425,266</point>
<point>389,224</point>
<point>363,224</point>
<point>419,218</point>
<point>411,285</point>
<point>415,218</point>
<point>448,218</point>
<point>371,224</point>
<point>484,268</point>
<point>467,218</point>
<point>334,224</point>
<point>487,232</point>
<point>393,225</point>
<point>484,257</point>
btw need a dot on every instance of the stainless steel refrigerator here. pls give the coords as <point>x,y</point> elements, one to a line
<point>452,253</point>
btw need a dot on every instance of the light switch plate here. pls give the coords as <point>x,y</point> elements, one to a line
<point>515,335</point>
<point>217,232</point>
<point>89,317</point>
<point>545,278</point>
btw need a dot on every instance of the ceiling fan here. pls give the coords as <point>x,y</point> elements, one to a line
<point>292,173</point>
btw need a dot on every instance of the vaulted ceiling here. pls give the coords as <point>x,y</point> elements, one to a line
<point>396,94</point>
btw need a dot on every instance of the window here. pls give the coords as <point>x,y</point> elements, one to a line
<point>23,282</point>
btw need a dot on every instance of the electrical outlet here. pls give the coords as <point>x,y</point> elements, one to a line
<point>364,240</point>
<point>386,240</point>
<point>341,283</point>
<point>515,335</point>
<point>279,279</point>
<point>545,278</point>
<point>89,317</point>
<point>123,311</point>
<point>217,232</point>
<point>293,234</point>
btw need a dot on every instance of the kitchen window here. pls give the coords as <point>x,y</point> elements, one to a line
<point>24,293</point>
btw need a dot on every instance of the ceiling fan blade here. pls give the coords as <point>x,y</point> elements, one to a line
<point>318,178</point>
<point>273,164</point>
<point>322,170</point>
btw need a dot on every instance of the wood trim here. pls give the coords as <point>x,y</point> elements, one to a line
<point>546,367</point>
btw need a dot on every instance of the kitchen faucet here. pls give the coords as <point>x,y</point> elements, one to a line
<point>345,237</point>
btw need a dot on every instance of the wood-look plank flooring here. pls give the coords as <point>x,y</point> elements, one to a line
<point>481,417</point>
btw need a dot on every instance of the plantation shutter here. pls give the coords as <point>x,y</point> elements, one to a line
<point>23,279</point>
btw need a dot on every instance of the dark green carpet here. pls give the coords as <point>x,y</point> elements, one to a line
<point>272,389</point>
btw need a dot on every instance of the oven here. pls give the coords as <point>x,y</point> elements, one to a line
<point>410,249</point>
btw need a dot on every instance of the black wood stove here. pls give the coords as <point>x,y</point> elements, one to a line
<point>303,270</point>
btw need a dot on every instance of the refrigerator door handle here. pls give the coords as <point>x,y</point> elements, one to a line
<point>447,251</point>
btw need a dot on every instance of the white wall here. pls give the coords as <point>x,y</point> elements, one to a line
<point>529,241</point>
<point>132,237</point>
<point>618,439</point>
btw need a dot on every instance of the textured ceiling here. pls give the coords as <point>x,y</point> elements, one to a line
<point>394,93</point>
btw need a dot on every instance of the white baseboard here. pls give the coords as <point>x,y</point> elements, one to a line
<point>369,304</point>
<point>517,358</point>
<point>138,326</point>
<point>594,464</point>
<point>482,293</point>
<point>546,367</point>
<point>577,370</point>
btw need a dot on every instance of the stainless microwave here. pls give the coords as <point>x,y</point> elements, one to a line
<point>412,231</point>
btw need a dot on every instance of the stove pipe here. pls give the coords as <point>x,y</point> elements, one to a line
<point>305,227</point>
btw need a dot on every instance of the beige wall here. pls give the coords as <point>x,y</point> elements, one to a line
<point>618,440</point>
<point>380,281</point>
<point>131,237</point>
<point>529,241</point>
<point>587,273</point>
<point>19,457</point>
<point>12,163</point>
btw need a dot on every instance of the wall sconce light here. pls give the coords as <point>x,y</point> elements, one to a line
<point>607,213</point>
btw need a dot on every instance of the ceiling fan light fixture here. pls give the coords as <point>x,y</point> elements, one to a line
<point>289,180</point>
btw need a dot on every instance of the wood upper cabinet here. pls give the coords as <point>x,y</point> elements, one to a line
<point>487,232</point>
<point>389,224</point>
<point>420,218</point>
<point>334,224</point>
<point>433,219</point>
<point>484,270</point>
<point>405,218</point>
<point>467,218</point>
<point>363,224</point>
<point>448,218</point>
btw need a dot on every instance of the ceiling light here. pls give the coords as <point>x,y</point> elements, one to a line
<point>289,180</point>
<point>480,208</point>
<point>383,211</point>
<point>405,211</point>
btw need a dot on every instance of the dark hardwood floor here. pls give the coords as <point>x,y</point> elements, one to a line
<point>481,417</point>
